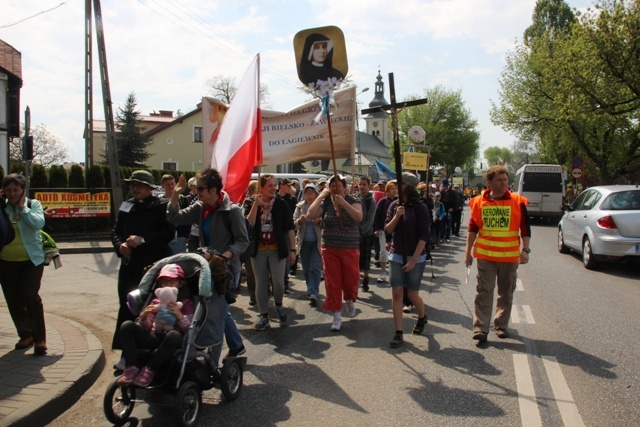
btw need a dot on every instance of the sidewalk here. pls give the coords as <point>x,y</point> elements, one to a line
<point>35,390</point>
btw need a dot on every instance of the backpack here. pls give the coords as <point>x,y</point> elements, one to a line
<point>7,233</point>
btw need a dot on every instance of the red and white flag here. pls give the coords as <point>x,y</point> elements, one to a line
<point>238,148</point>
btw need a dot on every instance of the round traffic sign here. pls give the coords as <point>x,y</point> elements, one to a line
<point>576,173</point>
<point>577,161</point>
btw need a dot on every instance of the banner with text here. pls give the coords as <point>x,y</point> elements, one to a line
<point>75,205</point>
<point>302,134</point>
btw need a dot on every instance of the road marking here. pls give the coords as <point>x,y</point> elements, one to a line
<point>528,314</point>
<point>529,411</point>
<point>564,398</point>
<point>519,287</point>
<point>515,317</point>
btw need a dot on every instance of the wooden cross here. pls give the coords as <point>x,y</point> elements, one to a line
<point>393,109</point>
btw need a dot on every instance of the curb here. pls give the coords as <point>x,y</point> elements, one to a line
<point>69,389</point>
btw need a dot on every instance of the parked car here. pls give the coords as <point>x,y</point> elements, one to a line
<point>603,223</point>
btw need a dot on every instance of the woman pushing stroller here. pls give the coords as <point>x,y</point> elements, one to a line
<point>145,333</point>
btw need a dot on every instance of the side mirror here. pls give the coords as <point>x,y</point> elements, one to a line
<point>567,207</point>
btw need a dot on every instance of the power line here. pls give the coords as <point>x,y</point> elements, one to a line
<point>33,16</point>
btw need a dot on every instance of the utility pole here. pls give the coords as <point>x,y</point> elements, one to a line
<point>112,147</point>
<point>88,89</point>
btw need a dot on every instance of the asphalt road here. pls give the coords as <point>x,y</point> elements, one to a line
<point>571,358</point>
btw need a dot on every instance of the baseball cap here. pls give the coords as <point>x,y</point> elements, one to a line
<point>286,181</point>
<point>171,271</point>
<point>311,186</point>
<point>322,181</point>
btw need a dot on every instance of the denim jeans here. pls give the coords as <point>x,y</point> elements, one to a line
<point>179,245</point>
<point>311,261</point>
<point>231,332</point>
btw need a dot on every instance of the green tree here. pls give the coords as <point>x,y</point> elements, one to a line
<point>451,131</point>
<point>548,17</point>
<point>131,140</point>
<point>94,177</point>
<point>76,177</point>
<point>57,177</point>
<point>495,155</point>
<point>38,177</point>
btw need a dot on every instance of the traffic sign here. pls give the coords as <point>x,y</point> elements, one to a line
<point>576,173</point>
<point>577,161</point>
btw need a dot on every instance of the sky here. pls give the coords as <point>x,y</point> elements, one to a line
<point>165,51</point>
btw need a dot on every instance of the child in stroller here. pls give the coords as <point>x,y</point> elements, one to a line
<point>192,363</point>
<point>143,333</point>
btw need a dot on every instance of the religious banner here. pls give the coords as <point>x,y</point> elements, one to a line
<point>321,56</point>
<point>302,134</point>
<point>213,111</point>
<point>75,205</point>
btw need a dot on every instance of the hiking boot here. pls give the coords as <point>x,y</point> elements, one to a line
<point>130,373</point>
<point>144,378</point>
<point>263,323</point>
<point>282,314</point>
<point>396,341</point>
<point>419,327</point>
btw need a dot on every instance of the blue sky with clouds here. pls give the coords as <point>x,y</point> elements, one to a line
<point>166,50</point>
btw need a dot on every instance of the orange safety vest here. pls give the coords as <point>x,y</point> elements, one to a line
<point>498,237</point>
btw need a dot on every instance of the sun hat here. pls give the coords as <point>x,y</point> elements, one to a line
<point>171,271</point>
<point>142,177</point>
<point>409,179</point>
<point>322,181</point>
<point>311,186</point>
<point>192,181</point>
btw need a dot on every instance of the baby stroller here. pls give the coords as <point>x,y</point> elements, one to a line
<point>192,369</point>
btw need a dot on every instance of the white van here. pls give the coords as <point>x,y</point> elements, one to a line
<point>544,187</point>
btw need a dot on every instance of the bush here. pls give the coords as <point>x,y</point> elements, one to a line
<point>38,178</point>
<point>17,168</point>
<point>57,177</point>
<point>94,177</point>
<point>76,177</point>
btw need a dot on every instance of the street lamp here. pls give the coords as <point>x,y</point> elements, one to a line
<point>359,156</point>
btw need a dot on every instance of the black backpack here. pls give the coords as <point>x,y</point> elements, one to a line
<point>7,233</point>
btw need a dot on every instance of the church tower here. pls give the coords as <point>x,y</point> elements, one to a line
<point>378,123</point>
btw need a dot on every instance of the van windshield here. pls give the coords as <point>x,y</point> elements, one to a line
<point>542,182</point>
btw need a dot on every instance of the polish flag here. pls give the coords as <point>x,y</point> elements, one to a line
<point>238,148</point>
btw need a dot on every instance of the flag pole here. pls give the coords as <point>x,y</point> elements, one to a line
<point>325,100</point>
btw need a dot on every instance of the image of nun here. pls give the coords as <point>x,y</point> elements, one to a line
<point>317,60</point>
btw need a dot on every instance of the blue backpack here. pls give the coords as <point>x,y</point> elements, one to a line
<point>7,233</point>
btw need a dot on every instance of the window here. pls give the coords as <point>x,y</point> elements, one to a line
<point>197,134</point>
<point>170,166</point>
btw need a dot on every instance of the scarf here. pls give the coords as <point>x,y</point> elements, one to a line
<point>208,209</point>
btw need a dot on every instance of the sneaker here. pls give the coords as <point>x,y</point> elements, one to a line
<point>349,309</point>
<point>313,301</point>
<point>502,333</point>
<point>396,341</point>
<point>480,336</point>
<point>282,314</point>
<point>120,365</point>
<point>407,308</point>
<point>337,323</point>
<point>419,327</point>
<point>128,376</point>
<point>448,241</point>
<point>365,284</point>
<point>144,378</point>
<point>263,323</point>
<point>235,353</point>
<point>382,279</point>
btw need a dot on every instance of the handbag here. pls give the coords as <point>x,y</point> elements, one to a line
<point>50,248</point>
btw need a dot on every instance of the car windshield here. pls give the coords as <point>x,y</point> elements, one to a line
<point>622,201</point>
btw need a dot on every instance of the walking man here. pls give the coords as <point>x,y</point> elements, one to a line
<point>499,222</point>
<point>366,228</point>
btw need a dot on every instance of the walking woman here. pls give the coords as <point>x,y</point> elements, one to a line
<point>407,268</point>
<point>308,243</point>
<point>22,264</point>
<point>271,223</point>
<point>341,215</point>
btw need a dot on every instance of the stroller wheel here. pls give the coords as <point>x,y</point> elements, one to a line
<point>188,402</point>
<point>231,378</point>
<point>119,402</point>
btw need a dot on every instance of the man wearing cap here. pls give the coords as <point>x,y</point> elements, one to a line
<point>366,228</point>
<point>322,184</point>
<point>456,213</point>
<point>140,237</point>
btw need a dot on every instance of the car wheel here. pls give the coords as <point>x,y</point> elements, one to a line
<point>562,248</point>
<point>588,259</point>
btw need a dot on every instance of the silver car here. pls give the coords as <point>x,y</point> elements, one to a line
<point>603,223</point>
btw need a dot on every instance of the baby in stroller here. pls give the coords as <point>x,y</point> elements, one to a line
<point>142,333</point>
